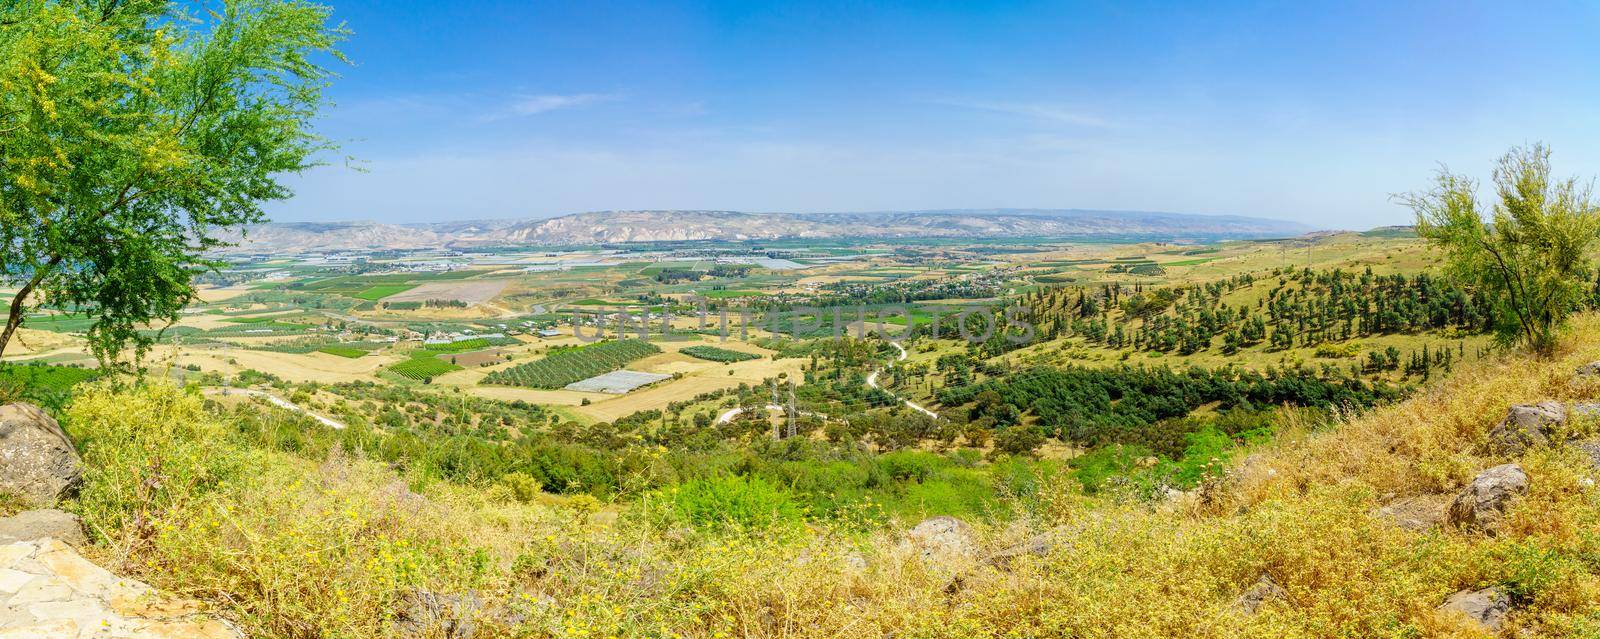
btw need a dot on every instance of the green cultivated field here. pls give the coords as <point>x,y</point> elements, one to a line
<point>715,354</point>
<point>52,379</point>
<point>717,295</point>
<point>560,368</point>
<point>423,368</point>
<point>381,291</point>
<point>343,351</point>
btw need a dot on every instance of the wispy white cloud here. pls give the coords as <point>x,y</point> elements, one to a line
<point>1035,110</point>
<point>536,104</point>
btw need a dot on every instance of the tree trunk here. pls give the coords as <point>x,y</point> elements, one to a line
<point>19,303</point>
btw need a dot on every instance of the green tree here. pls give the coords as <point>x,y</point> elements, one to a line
<point>1531,257</point>
<point>135,137</point>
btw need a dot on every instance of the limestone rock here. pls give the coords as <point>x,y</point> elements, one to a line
<point>1265,590</point>
<point>42,524</point>
<point>1419,513</point>
<point>1040,545</point>
<point>1487,608</point>
<point>1592,369</point>
<point>1528,426</point>
<point>424,613</point>
<point>1482,504</point>
<point>1583,410</point>
<point>37,461</point>
<point>1591,450</point>
<point>48,590</point>
<point>943,540</point>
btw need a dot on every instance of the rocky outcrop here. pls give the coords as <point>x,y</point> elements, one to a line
<point>1262,593</point>
<point>48,590</point>
<point>1592,369</point>
<point>41,524</point>
<point>1040,545</point>
<point>1419,513</point>
<point>1590,448</point>
<point>1528,426</point>
<point>1485,608</point>
<point>1482,504</point>
<point>37,462</point>
<point>943,540</point>
<point>425,613</point>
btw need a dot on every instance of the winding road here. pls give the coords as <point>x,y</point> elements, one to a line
<point>872,382</point>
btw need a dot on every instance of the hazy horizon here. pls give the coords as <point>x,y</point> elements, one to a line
<point>1024,211</point>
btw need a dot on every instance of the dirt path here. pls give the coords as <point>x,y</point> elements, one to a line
<point>872,381</point>
<point>276,401</point>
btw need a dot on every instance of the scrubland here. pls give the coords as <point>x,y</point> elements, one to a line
<point>297,540</point>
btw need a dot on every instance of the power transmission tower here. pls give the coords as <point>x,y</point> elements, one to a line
<point>777,429</point>
<point>791,411</point>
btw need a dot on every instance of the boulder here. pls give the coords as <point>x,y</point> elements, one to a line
<point>1592,369</point>
<point>1265,590</point>
<point>42,524</point>
<point>1419,513</point>
<point>1583,410</point>
<point>37,462</point>
<point>1591,451</point>
<point>943,540</point>
<point>424,613</point>
<point>1528,426</point>
<point>1485,608</point>
<point>1040,545</point>
<point>1482,504</point>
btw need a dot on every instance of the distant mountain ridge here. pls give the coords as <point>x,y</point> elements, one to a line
<point>608,227</point>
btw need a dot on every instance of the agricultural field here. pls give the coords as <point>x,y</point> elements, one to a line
<point>342,351</point>
<point>332,323</point>
<point>379,292</point>
<point>54,379</point>
<point>566,366</point>
<point>422,367</point>
<point>715,354</point>
<point>616,382</point>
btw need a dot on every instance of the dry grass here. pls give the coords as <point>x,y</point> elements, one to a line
<point>298,549</point>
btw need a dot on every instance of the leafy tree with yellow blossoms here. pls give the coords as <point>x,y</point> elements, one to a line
<point>135,135</point>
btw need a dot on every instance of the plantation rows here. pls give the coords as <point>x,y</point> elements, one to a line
<point>715,354</point>
<point>560,368</point>
<point>424,368</point>
<point>343,351</point>
<point>44,377</point>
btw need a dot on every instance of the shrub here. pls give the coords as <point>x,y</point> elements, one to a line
<point>148,451</point>
<point>732,502</point>
<point>521,486</point>
<point>910,465</point>
<point>1018,440</point>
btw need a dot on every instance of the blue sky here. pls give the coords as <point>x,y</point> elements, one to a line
<point>1303,111</point>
